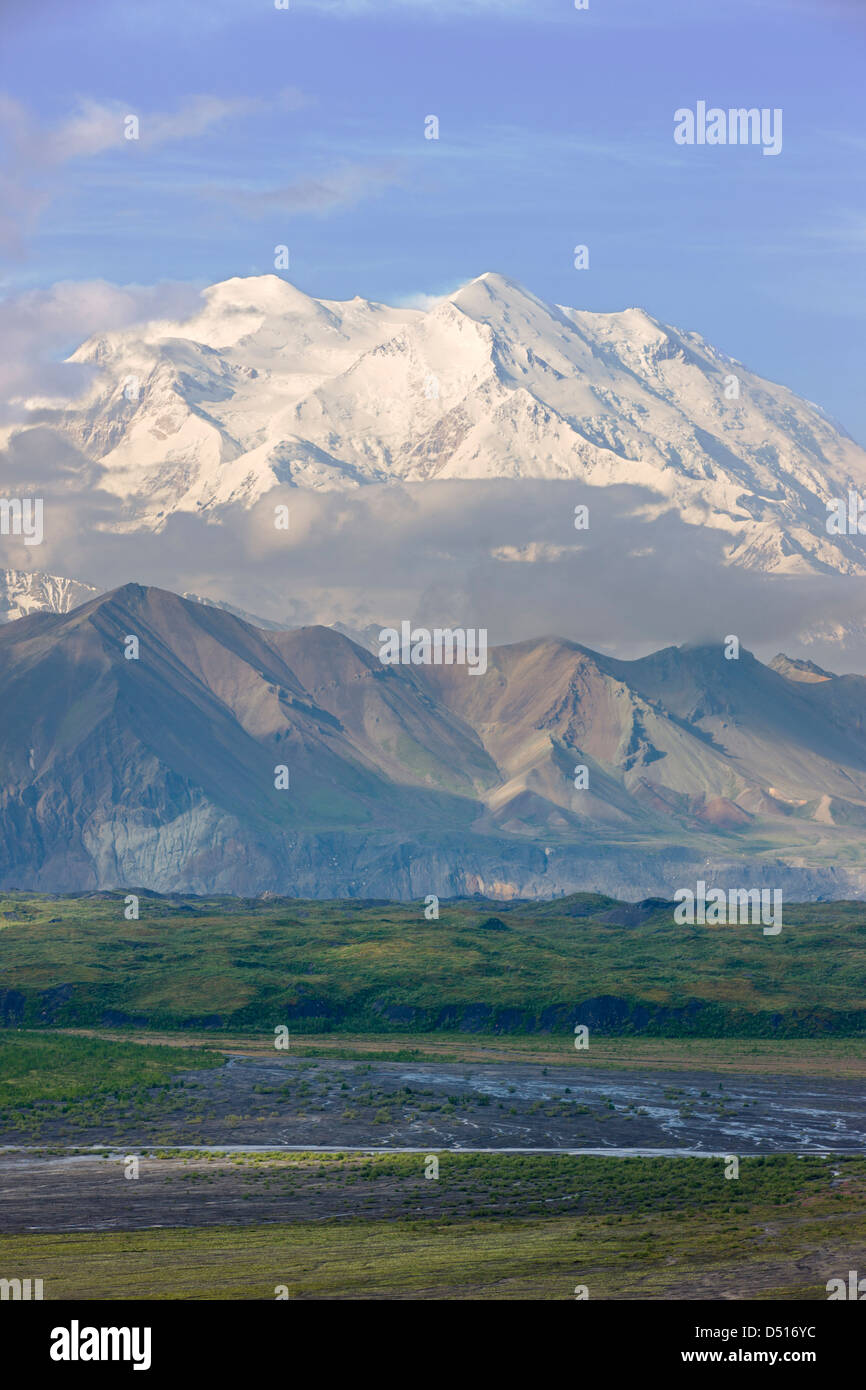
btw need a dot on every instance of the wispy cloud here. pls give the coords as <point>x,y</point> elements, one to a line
<point>500,8</point>
<point>421,300</point>
<point>315,193</point>
<point>39,327</point>
<point>843,231</point>
<point>625,14</point>
<point>96,126</point>
<point>32,153</point>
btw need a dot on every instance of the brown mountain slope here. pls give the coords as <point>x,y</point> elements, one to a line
<point>159,771</point>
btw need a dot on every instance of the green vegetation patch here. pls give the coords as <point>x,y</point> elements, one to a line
<point>38,1069</point>
<point>638,1228</point>
<point>375,967</point>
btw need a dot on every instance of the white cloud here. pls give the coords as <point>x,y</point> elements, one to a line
<point>502,8</point>
<point>33,153</point>
<point>395,551</point>
<point>625,14</point>
<point>421,300</point>
<point>315,193</point>
<point>96,126</point>
<point>39,327</point>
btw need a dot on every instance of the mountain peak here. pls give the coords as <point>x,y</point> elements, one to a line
<point>493,287</point>
<point>160,770</point>
<point>497,282</point>
<point>263,294</point>
<point>799,669</point>
<point>490,383</point>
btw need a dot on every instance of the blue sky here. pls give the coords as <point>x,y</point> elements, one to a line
<point>306,128</point>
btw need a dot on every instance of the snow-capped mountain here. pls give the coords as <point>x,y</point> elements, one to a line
<point>267,386</point>
<point>23,592</point>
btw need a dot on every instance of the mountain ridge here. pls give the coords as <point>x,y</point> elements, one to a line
<point>160,771</point>
<point>266,387</point>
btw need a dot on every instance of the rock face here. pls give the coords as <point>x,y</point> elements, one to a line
<point>165,771</point>
<point>267,386</point>
<point>797,669</point>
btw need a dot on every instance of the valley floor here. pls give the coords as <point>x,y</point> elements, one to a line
<point>130,1169</point>
<point>489,1227</point>
<point>294,1102</point>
